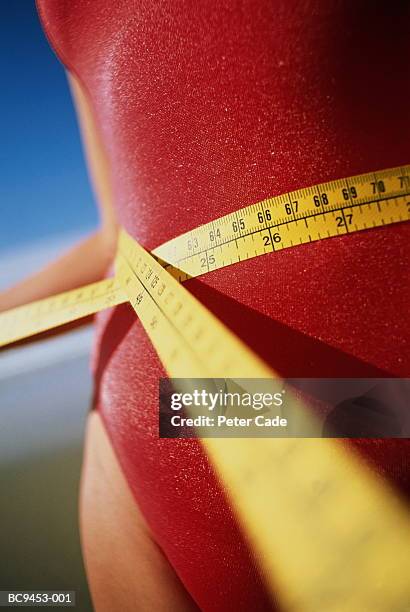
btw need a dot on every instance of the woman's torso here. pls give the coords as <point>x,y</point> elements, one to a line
<point>204,108</point>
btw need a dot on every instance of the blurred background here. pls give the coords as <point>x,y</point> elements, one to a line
<point>46,205</point>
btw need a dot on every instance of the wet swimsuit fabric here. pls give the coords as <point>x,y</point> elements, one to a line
<point>205,107</point>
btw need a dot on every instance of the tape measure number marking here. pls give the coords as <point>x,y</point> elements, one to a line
<point>39,316</point>
<point>332,209</point>
<point>329,534</point>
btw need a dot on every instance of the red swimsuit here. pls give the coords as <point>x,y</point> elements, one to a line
<point>205,107</point>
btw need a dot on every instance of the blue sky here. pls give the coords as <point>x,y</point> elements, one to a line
<point>44,189</point>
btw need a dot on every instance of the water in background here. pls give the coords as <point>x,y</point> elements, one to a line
<point>45,205</point>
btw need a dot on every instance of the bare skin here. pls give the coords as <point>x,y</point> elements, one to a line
<point>126,569</point>
<point>89,260</point>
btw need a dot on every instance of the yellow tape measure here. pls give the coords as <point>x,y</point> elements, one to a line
<point>330,209</point>
<point>299,217</point>
<point>329,535</point>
